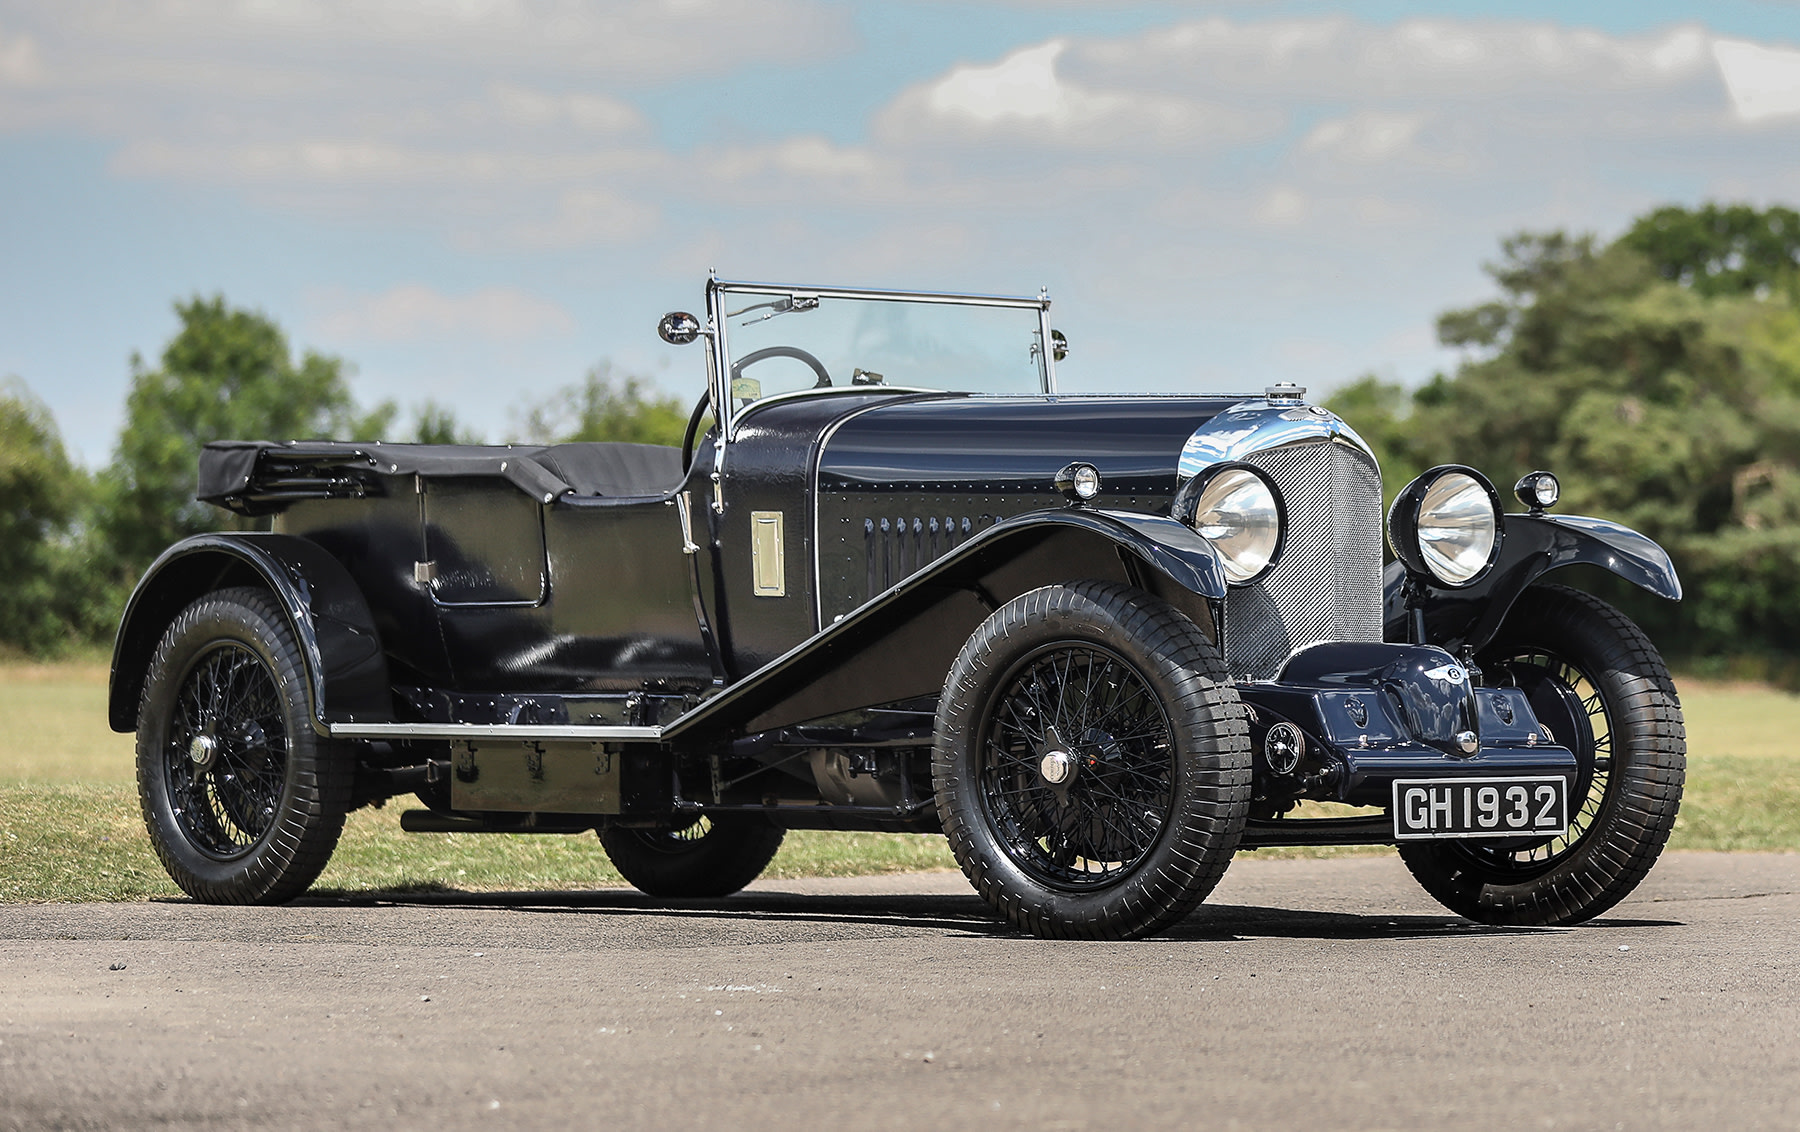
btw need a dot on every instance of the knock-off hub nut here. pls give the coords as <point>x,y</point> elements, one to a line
<point>201,750</point>
<point>1057,767</point>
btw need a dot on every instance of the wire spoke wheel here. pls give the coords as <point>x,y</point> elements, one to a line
<point>1091,762</point>
<point>1597,683</point>
<point>708,856</point>
<point>1089,704</point>
<point>1568,701</point>
<point>226,755</point>
<point>243,801</point>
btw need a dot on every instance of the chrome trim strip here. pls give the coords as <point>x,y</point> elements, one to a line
<point>688,545</point>
<point>948,297</point>
<point>520,731</point>
<point>720,384</point>
<point>834,391</point>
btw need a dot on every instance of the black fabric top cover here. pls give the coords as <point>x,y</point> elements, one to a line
<point>614,469</point>
<point>230,469</point>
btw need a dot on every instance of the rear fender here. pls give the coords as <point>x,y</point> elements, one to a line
<point>1531,546</point>
<point>347,676</point>
<point>900,644</point>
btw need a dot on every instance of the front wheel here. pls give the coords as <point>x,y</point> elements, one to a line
<point>1092,762</point>
<point>715,856</point>
<point>243,801</point>
<point>1595,680</point>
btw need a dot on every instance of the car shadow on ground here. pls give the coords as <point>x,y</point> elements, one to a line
<point>952,914</point>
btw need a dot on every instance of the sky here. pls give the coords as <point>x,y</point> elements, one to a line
<point>477,201</point>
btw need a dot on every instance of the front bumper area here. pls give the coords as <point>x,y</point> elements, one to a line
<point>1373,713</point>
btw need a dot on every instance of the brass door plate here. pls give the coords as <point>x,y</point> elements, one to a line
<point>767,576</point>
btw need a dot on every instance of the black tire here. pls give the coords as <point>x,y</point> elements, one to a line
<point>716,856</point>
<point>243,801</point>
<point>1623,721</point>
<point>1156,783</point>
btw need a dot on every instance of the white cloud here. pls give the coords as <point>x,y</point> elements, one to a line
<point>1339,57</point>
<point>20,64</point>
<point>1024,94</point>
<point>1023,85</point>
<point>1764,81</point>
<point>1366,136</point>
<point>587,216</point>
<point>414,312</point>
<point>1284,204</point>
<point>1217,180</point>
<point>622,40</point>
<point>459,115</point>
<point>808,158</point>
<point>593,113</point>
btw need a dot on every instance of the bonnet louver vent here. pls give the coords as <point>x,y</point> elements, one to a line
<point>898,547</point>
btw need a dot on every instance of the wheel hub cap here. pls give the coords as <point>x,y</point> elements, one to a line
<point>1057,767</point>
<point>201,751</point>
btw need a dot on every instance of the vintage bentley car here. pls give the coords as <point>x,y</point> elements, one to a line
<point>893,580</point>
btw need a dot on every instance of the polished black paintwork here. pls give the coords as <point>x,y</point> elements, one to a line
<point>326,609</point>
<point>1531,546</point>
<point>900,645</point>
<point>769,467</point>
<point>1387,711</point>
<point>471,589</point>
<point>584,594</point>
<point>1001,445</point>
<point>902,484</point>
<point>377,540</point>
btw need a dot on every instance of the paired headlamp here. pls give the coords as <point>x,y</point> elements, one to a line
<point>1446,524</point>
<point>1240,511</point>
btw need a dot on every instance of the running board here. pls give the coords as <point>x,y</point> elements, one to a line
<point>562,732</point>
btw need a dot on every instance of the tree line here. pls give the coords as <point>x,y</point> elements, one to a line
<point>74,542</point>
<point>1657,374</point>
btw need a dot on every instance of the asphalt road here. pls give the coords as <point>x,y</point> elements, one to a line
<point>1307,994</point>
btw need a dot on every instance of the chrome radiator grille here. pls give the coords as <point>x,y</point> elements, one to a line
<point>1327,586</point>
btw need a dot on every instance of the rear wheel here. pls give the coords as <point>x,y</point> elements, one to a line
<point>243,801</point>
<point>1092,762</point>
<point>1595,680</point>
<point>715,856</point>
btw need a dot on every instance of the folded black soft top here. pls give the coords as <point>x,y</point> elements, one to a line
<point>257,477</point>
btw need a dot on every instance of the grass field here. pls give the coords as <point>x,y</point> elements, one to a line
<point>70,830</point>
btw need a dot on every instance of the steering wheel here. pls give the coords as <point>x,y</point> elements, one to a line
<point>795,352</point>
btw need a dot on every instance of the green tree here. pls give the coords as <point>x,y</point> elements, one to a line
<point>46,598</point>
<point>36,506</point>
<point>1665,397</point>
<point>437,424</point>
<point>601,407</point>
<point>1716,249</point>
<point>227,374</point>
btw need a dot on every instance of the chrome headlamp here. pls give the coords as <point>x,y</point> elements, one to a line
<point>1446,523</point>
<point>1240,511</point>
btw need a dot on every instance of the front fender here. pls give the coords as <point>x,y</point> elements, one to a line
<point>347,677</point>
<point>901,643</point>
<point>1167,545</point>
<point>1531,546</point>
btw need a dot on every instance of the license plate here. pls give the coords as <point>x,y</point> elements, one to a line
<point>1480,807</point>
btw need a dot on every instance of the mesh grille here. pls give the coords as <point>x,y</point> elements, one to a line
<point>1327,586</point>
